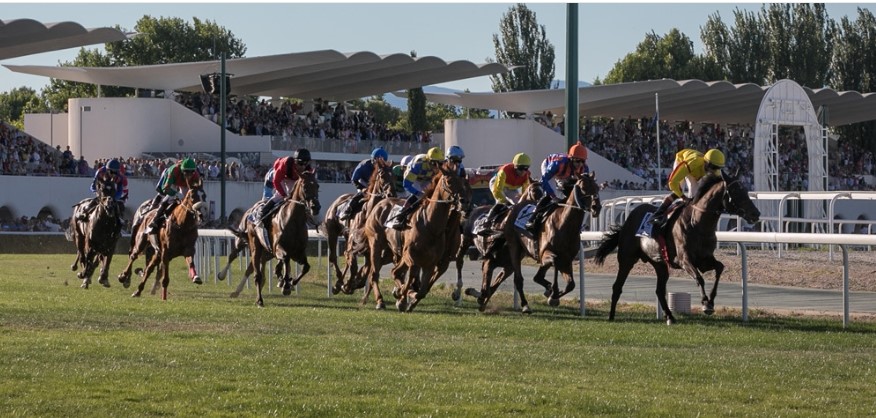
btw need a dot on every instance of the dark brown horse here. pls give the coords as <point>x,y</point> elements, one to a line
<point>380,186</point>
<point>689,237</point>
<point>288,235</point>
<point>96,237</point>
<point>433,239</point>
<point>176,238</point>
<point>492,250</point>
<point>557,243</point>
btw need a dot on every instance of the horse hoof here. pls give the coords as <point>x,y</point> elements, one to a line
<point>260,303</point>
<point>287,290</point>
<point>234,295</point>
<point>220,276</point>
<point>138,271</point>
<point>104,282</point>
<point>80,275</point>
<point>135,295</point>
<point>526,310</point>
<point>472,292</point>
<point>670,321</point>
<point>455,295</point>
<point>482,307</point>
<point>548,293</point>
<point>554,302</point>
<point>380,306</point>
<point>73,267</point>
<point>335,290</point>
<point>84,285</point>
<point>401,305</point>
<point>197,280</point>
<point>708,310</point>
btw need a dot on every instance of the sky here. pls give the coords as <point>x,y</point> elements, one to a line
<point>450,31</point>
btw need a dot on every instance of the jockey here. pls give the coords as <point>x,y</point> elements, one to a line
<point>691,166</point>
<point>418,175</point>
<point>269,185</point>
<point>110,173</point>
<point>455,156</point>
<point>507,184</point>
<point>398,174</point>
<point>172,186</point>
<point>563,169</point>
<point>361,176</point>
<point>286,172</point>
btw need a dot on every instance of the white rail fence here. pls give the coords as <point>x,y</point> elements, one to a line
<point>211,242</point>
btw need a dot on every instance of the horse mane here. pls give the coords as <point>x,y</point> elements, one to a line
<point>706,184</point>
<point>433,185</point>
<point>372,181</point>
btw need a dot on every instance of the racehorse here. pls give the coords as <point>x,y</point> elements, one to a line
<point>288,234</point>
<point>240,245</point>
<point>557,243</point>
<point>492,249</point>
<point>176,238</point>
<point>96,237</point>
<point>380,186</point>
<point>433,238</point>
<point>689,237</point>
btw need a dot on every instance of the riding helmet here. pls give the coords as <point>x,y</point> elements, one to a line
<point>302,155</point>
<point>406,160</point>
<point>435,154</point>
<point>188,164</point>
<point>113,166</point>
<point>379,152</point>
<point>578,151</point>
<point>521,159</point>
<point>715,158</point>
<point>455,153</point>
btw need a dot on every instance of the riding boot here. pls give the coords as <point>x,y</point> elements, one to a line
<point>490,223</point>
<point>353,207</point>
<point>537,215</point>
<point>659,217</point>
<point>265,214</point>
<point>158,220</point>
<point>403,217</point>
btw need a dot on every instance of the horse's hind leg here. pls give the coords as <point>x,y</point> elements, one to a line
<point>235,252</point>
<point>539,278</point>
<point>662,278</point>
<point>153,262</point>
<point>618,287</point>
<point>193,274</point>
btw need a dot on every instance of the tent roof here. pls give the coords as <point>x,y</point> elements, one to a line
<point>695,100</point>
<point>22,37</point>
<point>327,74</point>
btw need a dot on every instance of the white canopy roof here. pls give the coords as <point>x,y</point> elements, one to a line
<point>694,100</point>
<point>22,37</point>
<point>326,74</point>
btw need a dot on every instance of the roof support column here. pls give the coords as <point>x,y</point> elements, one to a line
<point>571,74</point>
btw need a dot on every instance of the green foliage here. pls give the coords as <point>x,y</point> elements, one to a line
<point>168,40</point>
<point>437,113</point>
<point>670,56</point>
<point>382,111</point>
<point>16,102</point>
<point>522,42</point>
<point>417,118</point>
<point>59,91</point>
<point>99,352</point>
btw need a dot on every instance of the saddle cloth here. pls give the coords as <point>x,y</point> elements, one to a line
<point>391,220</point>
<point>341,208</point>
<point>644,230</point>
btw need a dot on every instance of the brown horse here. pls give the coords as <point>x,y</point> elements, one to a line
<point>96,237</point>
<point>690,240</point>
<point>433,239</point>
<point>492,250</point>
<point>557,243</point>
<point>380,186</point>
<point>176,238</point>
<point>288,235</point>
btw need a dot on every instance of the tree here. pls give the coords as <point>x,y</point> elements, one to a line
<point>523,42</point>
<point>669,56</point>
<point>14,103</point>
<point>417,107</point>
<point>740,53</point>
<point>800,42</point>
<point>437,113</point>
<point>59,91</point>
<point>382,111</point>
<point>168,40</point>
<point>854,68</point>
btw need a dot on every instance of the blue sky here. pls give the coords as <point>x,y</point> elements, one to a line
<point>451,31</point>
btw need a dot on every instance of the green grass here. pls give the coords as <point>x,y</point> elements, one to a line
<point>70,352</point>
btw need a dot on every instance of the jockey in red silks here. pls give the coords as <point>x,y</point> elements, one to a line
<point>286,173</point>
<point>507,185</point>
<point>172,186</point>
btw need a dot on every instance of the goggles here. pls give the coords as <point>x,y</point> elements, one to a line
<point>521,167</point>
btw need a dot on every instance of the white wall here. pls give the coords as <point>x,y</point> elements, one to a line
<point>496,141</point>
<point>115,127</point>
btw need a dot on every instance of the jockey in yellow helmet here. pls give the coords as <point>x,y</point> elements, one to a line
<point>507,185</point>
<point>690,166</point>
<point>418,175</point>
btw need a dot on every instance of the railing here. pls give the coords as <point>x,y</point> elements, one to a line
<point>349,146</point>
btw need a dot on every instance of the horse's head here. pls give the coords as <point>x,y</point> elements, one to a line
<point>586,194</point>
<point>106,188</point>
<point>533,192</point>
<point>449,187</point>
<point>309,190</point>
<point>736,200</point>
<point>382,183</point>
<point>196,199</point>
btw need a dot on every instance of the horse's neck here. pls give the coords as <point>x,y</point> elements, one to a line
<point>436,213</point>
<point>182,214</point>
<point>706,212</point>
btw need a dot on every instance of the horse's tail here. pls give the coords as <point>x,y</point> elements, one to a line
<point>609,242</point>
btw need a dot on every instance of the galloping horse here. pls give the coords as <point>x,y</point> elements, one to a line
<point>288,234</point>
<point>380,186</point>
<point>492,249</point>
<point>176,238</point>
<point>690,240</point>
<point>96,238</point>
<point>558,242</point>
<point>433,238</point>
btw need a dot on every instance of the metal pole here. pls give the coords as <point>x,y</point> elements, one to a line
<point>571,74</point>
<point>657,123</point>
<point>222,173</point>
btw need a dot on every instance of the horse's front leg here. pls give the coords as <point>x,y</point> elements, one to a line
<point>305,267</point>
<point>193,273</point>
<point>164,271</point>
<point>566,270</point>
<point>152,263</point>
<point>403,278</point>
<point>106,260</point>
<point>428,278</point>
<point>709,303</point>
<point>694,273</point>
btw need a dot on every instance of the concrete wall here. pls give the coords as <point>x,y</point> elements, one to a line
<point>494,142</point>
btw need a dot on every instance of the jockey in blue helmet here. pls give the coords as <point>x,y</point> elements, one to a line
<point>455,155</point>
<point>111,173</point>
<point>361,175</point>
